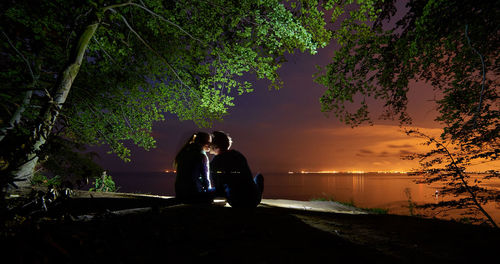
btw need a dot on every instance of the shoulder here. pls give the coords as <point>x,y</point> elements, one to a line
<point>230,154</point>
<point>236,155</point>
<point>234,152</point>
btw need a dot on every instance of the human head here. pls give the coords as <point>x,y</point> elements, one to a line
<point>199,140</point>
<point>202,139</point>
<point>220,142</point>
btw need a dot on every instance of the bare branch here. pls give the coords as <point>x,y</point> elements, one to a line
<point>125,118</point>
<point>169,22</point>
<point>462,179</point>
<point>102,48</point>
<point>16,117</point>
<point>224,9</point>
<point>484,75</point>
<point>22,57</point>
<point>115,6</point>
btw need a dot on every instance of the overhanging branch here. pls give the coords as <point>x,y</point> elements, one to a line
<point>168,21</point>
<point>171,68</point>
<point>478,111</point>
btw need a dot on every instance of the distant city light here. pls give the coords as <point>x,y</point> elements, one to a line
<point>348,171</point>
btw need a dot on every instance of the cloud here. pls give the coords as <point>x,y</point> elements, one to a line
<point>385,154</point>
<point>392,131</point>
<point>373,131</point>
<point>403,152</point>
<point>382,163</point>
<point>400,146</point>
<point>378,147</point>
<point>366,151</point>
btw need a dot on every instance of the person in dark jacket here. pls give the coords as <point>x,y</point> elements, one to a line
<point>193,182</point>
<point>232,175</point>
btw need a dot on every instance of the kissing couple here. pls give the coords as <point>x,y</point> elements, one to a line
<point>228,175</point>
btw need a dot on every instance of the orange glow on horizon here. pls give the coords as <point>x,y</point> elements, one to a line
<point>347,171</point>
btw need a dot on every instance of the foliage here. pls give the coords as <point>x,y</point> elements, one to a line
<point>411,203</point>
<point>427,43</point>
<point>339,77</point>
<point>69,160</point>
<point>146,58</point>
<point>41,179</point>
<point>377,210</point>
<point>104,183</point>
<point>459,57</point>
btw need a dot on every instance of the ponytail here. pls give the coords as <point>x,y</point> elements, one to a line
<point>198,138</point>
<point>183,149</point>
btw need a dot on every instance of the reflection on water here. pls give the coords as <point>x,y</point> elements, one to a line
<point>365,190</point>
<point>370,190</point>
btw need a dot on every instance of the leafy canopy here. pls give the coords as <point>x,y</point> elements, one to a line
<point>428,43</point>
<point>147,58</point>
<point>452,45</point>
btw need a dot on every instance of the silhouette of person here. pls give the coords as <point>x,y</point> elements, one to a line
<point>193,183</point>
<point>232,175</point>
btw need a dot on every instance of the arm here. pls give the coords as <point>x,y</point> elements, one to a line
<point>245,168</point>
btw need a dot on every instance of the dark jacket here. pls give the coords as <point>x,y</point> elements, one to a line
<point>192,179</point>
<point>234,180</point>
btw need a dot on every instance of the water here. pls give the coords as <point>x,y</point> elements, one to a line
<point>370,190</point>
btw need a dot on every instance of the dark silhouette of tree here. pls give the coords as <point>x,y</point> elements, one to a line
<point>446,163</point>
<point>452,45</point>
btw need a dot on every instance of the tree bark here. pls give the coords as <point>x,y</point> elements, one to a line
<point>16,118</point>
<point>49,115</point>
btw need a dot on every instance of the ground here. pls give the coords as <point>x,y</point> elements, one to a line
<point>105,229</point>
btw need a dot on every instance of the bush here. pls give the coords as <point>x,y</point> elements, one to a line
<point>104,184</point>
<point>43,180</point>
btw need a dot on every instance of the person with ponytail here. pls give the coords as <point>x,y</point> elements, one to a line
<point>193,183</point>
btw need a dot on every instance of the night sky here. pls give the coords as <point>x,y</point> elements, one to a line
<point>284,130</point>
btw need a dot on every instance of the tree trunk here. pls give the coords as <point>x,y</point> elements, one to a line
<point>49,116</point>
<point>16,118</point>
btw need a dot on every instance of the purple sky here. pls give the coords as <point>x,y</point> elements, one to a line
<point>285,130</point>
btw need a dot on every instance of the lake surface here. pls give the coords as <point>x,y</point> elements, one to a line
<point>390,191</point>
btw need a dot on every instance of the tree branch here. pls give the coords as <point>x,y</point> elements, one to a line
<point>16,117</point>
<point>102,48</point>
<point>106,8</point>
<point>169,22</point>
<point>484,75</point>
<point>153,50</point>
<point>22,57</point>
<point>125,118</point>
<point>464,183</point>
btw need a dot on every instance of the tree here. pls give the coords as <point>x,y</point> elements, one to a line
<point>470,195</point>
<point>103,71</point>
<point>451,44</point>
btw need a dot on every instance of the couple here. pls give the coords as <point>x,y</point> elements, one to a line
<point>228,175</point>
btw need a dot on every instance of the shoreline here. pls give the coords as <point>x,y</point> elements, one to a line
<point>315,204</point>
<point>130,228</point>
